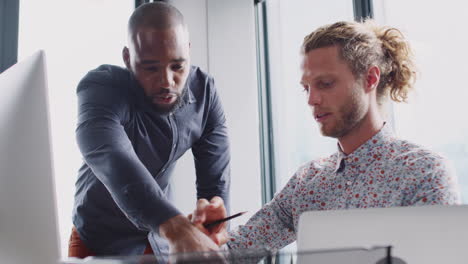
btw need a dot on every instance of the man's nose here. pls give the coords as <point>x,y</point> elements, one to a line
<point>167,79</point>
<point>314,98</point>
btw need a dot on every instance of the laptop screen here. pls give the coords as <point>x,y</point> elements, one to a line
<point>425,234</point>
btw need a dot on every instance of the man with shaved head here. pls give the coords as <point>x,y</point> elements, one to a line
<point>133,125</point>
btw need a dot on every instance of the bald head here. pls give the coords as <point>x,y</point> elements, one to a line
<point>158,54</point>
<point>156,15</point>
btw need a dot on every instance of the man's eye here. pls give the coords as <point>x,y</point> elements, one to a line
<point>325,84</point>
<point>177,67</point>
<point>305,88</point>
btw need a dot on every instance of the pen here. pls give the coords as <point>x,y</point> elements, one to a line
<point>219,221</point>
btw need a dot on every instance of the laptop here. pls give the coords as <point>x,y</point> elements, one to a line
<point>424,234</point>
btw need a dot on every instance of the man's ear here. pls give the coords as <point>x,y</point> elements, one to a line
<point>126,57</point>
<point>372,78</point>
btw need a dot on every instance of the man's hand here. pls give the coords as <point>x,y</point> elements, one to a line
<point>207,212</point>
<point>185,237</point>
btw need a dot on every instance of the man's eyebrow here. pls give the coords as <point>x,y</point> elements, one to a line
<point>319,76</point>
<point>323,75</point>
<point>179,60</point>
<point>149,61</point>
<point>156,61</point>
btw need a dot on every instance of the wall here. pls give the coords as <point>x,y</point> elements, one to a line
<point>223,43</point>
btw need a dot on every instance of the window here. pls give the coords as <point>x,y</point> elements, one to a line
<point>76,38</point>
<point>296,136</point>
<point>434,116</point>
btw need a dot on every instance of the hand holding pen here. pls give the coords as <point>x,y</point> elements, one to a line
<point>222,220</point>
<point>210,218</point>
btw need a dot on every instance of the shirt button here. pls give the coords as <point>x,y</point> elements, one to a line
<point>349,183</point>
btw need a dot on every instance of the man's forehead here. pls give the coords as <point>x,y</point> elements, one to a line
<point>321,55</point>
<point>152,34</point>
<point>152,40</point>
<point>321,60</point>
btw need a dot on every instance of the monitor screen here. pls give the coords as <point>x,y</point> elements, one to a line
<point>28,222</point>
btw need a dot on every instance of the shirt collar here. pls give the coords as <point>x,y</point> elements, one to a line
<point>372,149</point>
<point>189,98</point>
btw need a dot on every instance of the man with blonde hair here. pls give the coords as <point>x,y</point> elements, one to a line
<point>349,69</point>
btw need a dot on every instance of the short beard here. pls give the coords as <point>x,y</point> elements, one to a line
<point>177,104</point>
<point>352,114</point>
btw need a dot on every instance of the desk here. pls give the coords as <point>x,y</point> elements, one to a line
<point>374,255</point>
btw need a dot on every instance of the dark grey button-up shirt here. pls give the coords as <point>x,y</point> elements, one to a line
<point>129,151</point>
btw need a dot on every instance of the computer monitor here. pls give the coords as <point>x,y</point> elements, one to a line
<point>424,234</point>
<point>28,222</point>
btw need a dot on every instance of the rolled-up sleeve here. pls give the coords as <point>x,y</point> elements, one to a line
<point>211,152</point>
<point>107,150</point>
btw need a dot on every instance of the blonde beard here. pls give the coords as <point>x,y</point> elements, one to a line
<point>349,115</point>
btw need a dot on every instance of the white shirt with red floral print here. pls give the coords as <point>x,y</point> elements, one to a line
<point>383,172</point>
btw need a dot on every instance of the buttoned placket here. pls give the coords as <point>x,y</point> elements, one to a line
<point>340,170</point>
<point>175,135</point>
<point>171,117</point>
<point>175,139</point>
<point>340,175</point>
<point>345,171</point>
<point>350,181</point>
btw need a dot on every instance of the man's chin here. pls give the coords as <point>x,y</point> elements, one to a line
<point>165,108</point>
<point>332,132</point>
